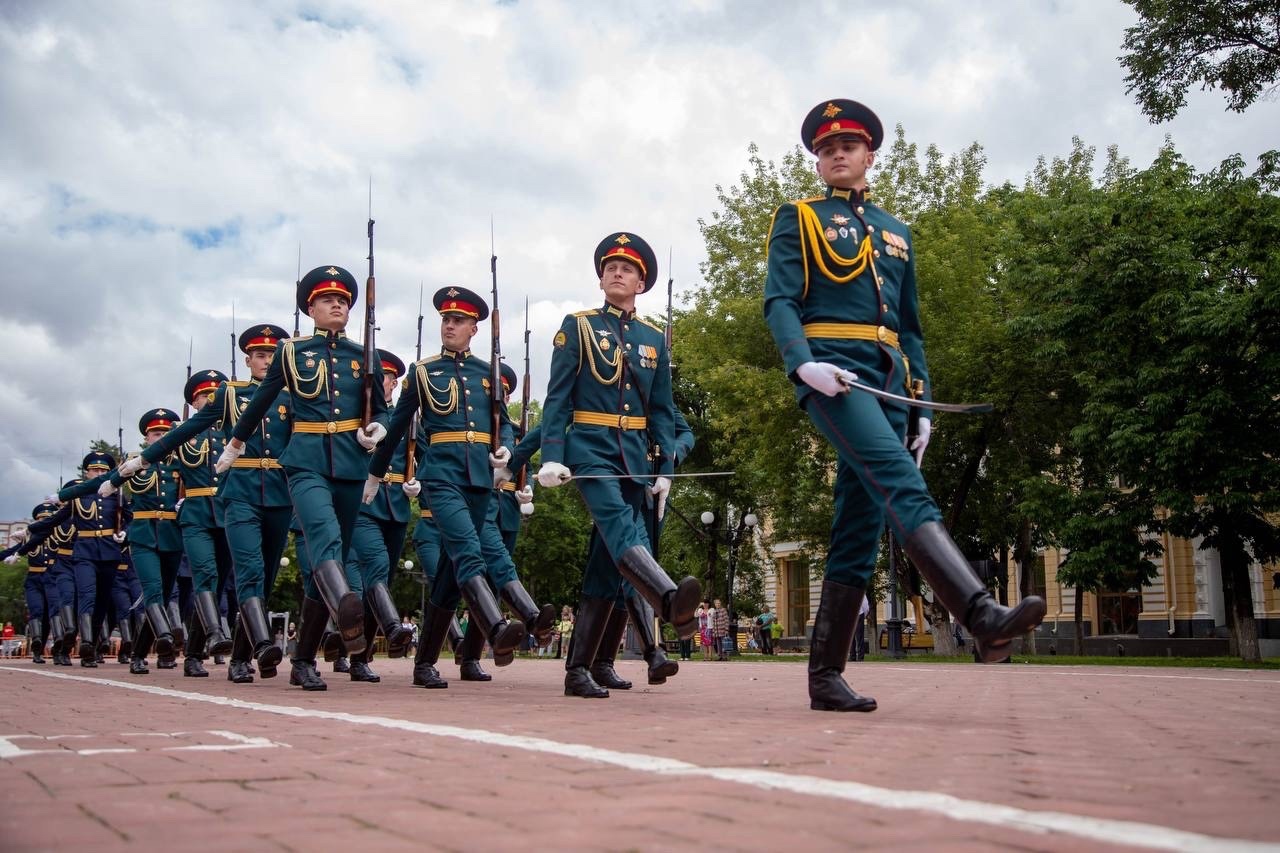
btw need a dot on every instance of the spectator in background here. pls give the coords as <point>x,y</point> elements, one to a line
<point>859,650</point>
<point>765,622</point>
<point>703,615</point>
<point>8,643</point>
<point>291,641</point>
<point>719,629</point>
<point>564,630</point>
<point>410,624</point>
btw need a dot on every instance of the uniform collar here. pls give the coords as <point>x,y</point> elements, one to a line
<point>321,333</point>
<point>618,312</point>
<point>455,356</point>
<point>851,196</point>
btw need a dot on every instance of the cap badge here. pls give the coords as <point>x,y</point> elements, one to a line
<point>452,292</point>
<point>331,271</point>
<point>831,110</point>
<point>622,240</point>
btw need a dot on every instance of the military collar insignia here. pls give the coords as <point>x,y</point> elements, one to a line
<point>618,312</point>
<point>331,271</point>
<point>831,111</point>
<point>448,353</point>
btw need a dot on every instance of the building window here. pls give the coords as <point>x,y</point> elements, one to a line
<point>797,612</point>
<point>1037,582</point>
<point>1118,612</point>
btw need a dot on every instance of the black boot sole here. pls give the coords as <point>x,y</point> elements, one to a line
<point>269,661</point>
<point>350,619</point>
<point>868,704</point>
<point>220,647</point>
<point>508,640</point>
<point>663,671</point>
<point>682,606</point>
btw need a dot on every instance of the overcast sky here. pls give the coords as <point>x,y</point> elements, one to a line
<point>160,161</point>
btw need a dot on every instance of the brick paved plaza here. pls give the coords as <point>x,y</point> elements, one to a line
<point>724,756</point>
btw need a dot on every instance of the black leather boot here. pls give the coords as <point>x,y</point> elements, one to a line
<point>602,671</point>
<point>314,617</point>
<point>88,650</point>
<point>35,634</point>
<point>593,617</point>
<point>677,604</point>
<point>378,598</point>
<point>238,671</point>
<point>468,654</point>
<point>435,624</point>
<point>538,621</point>
<point>68,628</point>
<point>141,648</point>
<point>206,613</point>
<point>253,616</point>
<point>454,636</point>
<point>960,590</point>
<point>505,636</point>
<point>660,666</point>
<point>193,655</point>
<point>345,606</point>
<point>175,624</point>
<point>359,666</point>
<point>126,642</point>
<point>832,636</point>
<point>331,644</point>
<point>159,619</point>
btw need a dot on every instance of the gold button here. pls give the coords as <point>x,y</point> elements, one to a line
<point>331,427</point>
<point>861,210</point>
<point>876,253</point>
<point>337,393</point>
<point>626,407</point>
<point>882,334</point>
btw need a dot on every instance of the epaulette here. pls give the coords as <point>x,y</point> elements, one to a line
<point>431,358</point>
<point>807,200</point>
<point>652,325</point>
<point>294,340</point>
<point>590,312</point>
<point>238,383</point>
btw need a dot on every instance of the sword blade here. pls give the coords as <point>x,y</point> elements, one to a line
<point>907,402</point>
<point>649,476</point>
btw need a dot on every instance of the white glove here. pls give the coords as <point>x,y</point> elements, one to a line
<point>660,489</point>
<point>107,489</point>
<point>825,378</point>
<point>500,458</point>
<point>553,474</point>
<point>11,559</point>
<point>233,451</point>
<point>371,487</point>
<point>370,436</point>
<point>178,505</point>
<point>131,466</point>
<point>924,427</point>
<point>502,475</point>
<point>119,536</point>
<point>412,488</point>
<point>524,497</point>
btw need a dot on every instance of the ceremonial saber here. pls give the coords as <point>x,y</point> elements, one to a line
<point>650,476</point>
<point>908,402</point>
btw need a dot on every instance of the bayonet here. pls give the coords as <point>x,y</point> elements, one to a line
<point>372,371</point>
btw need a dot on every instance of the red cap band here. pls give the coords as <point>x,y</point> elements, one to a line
<point>457,306</point>
<point>159,423</point>
<point>626,254</point>
<point>329,287</point>
<point>388,367</point>
<point>204,388</point>
<point>841,125</point>
<point>263,343</point>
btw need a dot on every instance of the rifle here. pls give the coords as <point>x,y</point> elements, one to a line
<point>495,355</point>
<point>668,338</point>
<point>522,476</point>
<point>120,495</point>
<point>233,340</point>
<point>186,404</point>
<point>411,448</point>
<point>297,331</point>
<point>372,370</point>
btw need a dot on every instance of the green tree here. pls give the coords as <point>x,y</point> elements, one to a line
<point>1233,45</point>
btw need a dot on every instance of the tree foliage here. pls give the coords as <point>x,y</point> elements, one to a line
<point>1233,45</point>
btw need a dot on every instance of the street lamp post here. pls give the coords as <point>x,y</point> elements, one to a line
<point>732,537</point>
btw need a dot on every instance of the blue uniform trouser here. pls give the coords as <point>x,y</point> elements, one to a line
<point>65,579</point>
<point>256,536</point>
<point>618,508</point>
<point>157,571</point>
<point>33,588</point>
<point>460,514</point>
<point>92,577</point>
<point>209,555</point>
<point>876,481</point>
<point>375,543</point>
<point>327,510</point>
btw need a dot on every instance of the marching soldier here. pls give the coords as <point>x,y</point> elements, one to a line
<point>253,497</point>
<point>38,588</point>
<point>155,539</point>
<point>375,546</point>
<point>326,458</point>
<point>100,530</point>
<point>609,418</point>
<point>201,517</point>
<point>452,392</point>
<point>841,302</point>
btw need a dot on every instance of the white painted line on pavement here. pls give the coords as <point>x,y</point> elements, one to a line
<point>1146,835</point>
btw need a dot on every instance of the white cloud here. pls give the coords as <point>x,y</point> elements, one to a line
<point>158,162</point>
